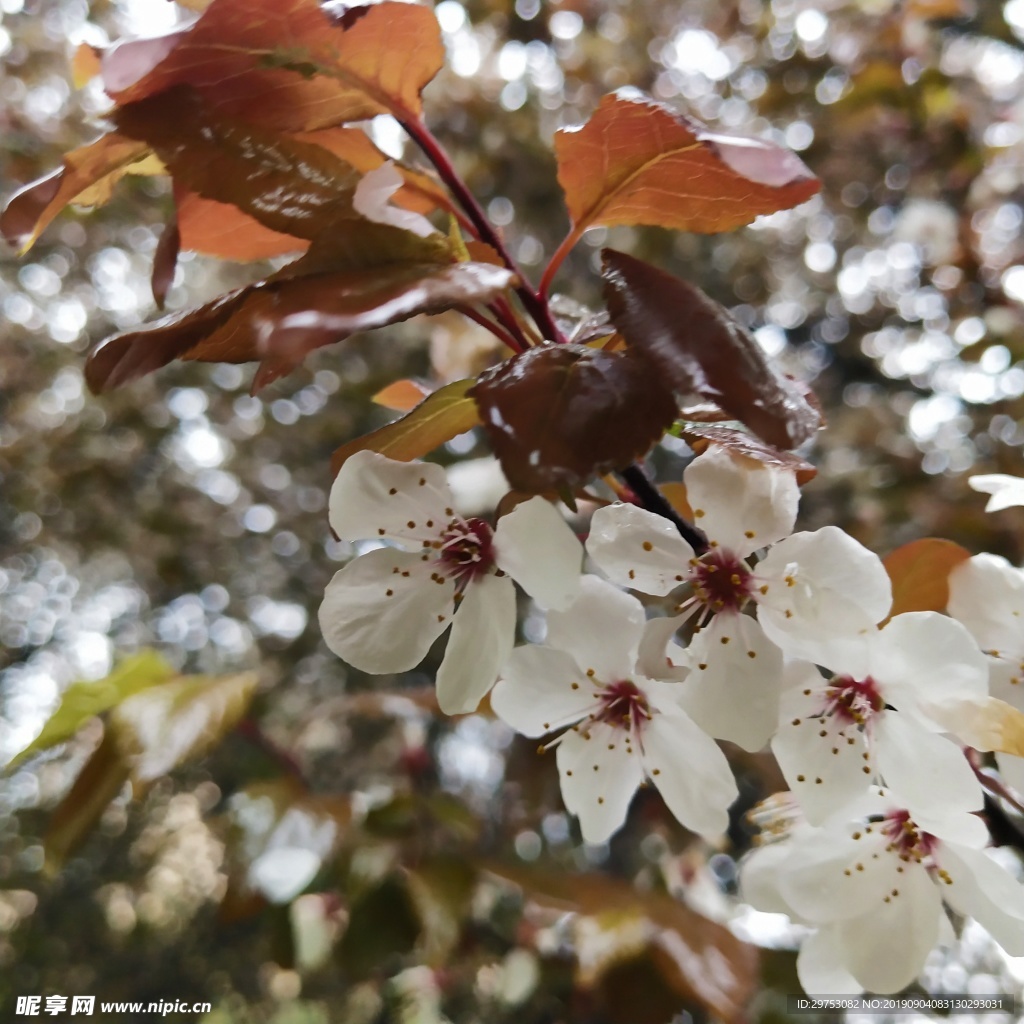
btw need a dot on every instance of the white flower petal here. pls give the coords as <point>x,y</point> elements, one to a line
<point>735,681</point>
<point>760,871</point>
<point>885,948</point>
<point>541,690</point>
<point>373,496</point>
<point>371,197</point>
<point>926,773</point>
<point>823,771</point>
<point>599,773</point>
<point>690,771</point>
<point>832,876</point>
<point>819,966</point>
<point>820,583</point>
<point>659,656</point>
<point>923,658</point>
<point>982,889</point>
<point>638,549</point>
<point>1012,770</point>
<point>601,629</point>
<point>741,504</point>
<point>382,611</point>
<point>1005,490</point>
<point>538,549</point>
<point>481,640</point>
<point>986,594</point>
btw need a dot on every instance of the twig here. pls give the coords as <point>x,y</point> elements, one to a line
<point>535,305</point>
<point>654,501</point>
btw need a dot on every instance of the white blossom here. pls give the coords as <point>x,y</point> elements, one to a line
<point>878,716</point>
<point>600,678</point>
<point>872,883</point>
<point>383,610</point>
<point>1006,490</point>
<point>986,594</point>
<point>807,585</point>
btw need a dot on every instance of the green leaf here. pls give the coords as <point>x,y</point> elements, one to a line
<point>160,728</point>
<point>81,701</point>
<point>442,415</point>
<point>441,889</point>
<point>383,924</point>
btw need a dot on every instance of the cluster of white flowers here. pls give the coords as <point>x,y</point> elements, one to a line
<point>789,644</point>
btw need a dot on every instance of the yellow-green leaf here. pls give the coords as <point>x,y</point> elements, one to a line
<point>442,415</point>
<point>81,701</point>
<point>160,728</point>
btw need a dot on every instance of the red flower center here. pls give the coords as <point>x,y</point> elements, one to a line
<point>853,701</point>
<point>622,705</point>
<point>467,550</point>
<point>906,839</point>
<point>721,581</point>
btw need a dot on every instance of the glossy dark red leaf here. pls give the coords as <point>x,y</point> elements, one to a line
<point>700,435</point>
<point>558,415</point>
<point>290,186</point>
<point>165,260</point>
<point>699,348</point>
<point>279,321</point>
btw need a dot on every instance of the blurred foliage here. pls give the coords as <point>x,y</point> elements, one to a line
<point>344,854</point>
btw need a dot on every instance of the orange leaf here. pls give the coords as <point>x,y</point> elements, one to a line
<point>401,396</point>
<point>442,415</point>
<point>223,230</point>
<point>420,193</point>
<point>639,162</point>
<point>85,64</point>
<point>32,208</point>
<point>698,957</point>
<point>288,64</point>
<point>920,574</point>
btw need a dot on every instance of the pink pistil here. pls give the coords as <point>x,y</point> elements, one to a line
<point>853,701</point>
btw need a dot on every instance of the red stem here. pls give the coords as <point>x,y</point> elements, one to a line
<point>535,305</point>
<point>504,336</point>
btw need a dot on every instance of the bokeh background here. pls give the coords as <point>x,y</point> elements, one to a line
<point>181,514</point>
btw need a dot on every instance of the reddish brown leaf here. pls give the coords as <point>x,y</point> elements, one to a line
<point>165,260</point>
<point>639,162</point>
<point>558,415</point>
<point>698,347</point>
<point>286,64</point>
<point>279,321</point>
<point>102,778</point>
<point>699,436</point>
<point>223,230</point>
<point>32,208</point>
<point>701,959</point>
<point>438,418</point>
<point>920,574</point>
<point>290,186</point>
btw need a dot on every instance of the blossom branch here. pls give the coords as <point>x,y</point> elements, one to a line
<point>654,501</point>
<point>534,303</point>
